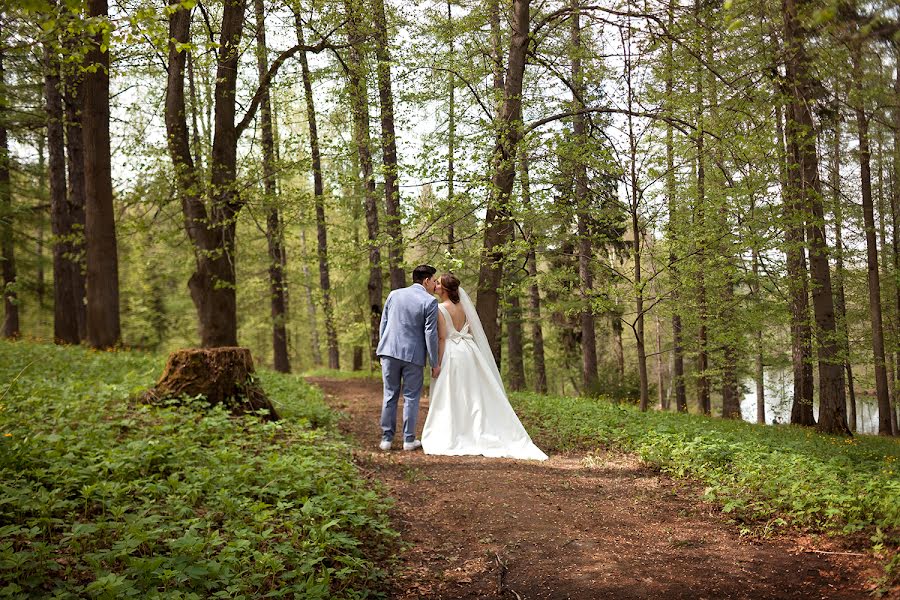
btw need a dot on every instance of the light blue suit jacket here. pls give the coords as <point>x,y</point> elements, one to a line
<point>409,326</point>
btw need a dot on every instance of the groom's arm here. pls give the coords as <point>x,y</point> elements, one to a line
<point>431,332</point>
<point>384,317</point>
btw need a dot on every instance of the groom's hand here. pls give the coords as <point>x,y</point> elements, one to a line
<point>435,371</point>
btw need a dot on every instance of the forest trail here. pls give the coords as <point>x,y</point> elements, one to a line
<point>575,527</point>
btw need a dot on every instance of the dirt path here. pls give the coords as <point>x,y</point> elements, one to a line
<point>574,527</point>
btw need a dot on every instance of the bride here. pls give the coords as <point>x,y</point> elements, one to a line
<point>468,411</point>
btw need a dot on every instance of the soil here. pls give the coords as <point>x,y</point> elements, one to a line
<point>578,526</point>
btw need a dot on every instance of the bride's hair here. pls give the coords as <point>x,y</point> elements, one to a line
<point>451,285</point>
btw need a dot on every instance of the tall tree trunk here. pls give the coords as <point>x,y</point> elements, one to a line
<point>451,135</point>
<point>102,282</point>
<point>583,212</point>
<point>801,132</point>
<point>10,302</point>
<point>874,277</point>
<point>359,106</point>
<point>703,398</point>
<point>274,233</point>
<point>841,300</point>
<point>798,280</point>
<point>65,315</point>
<point>759,373</point>
<point>895,219</point>
<point>310,305</point>
<point>74,101</point>
<point>618,346</point>
<point>392,218</point>
<point>534,293</point>
<point>678,382</point>
<point>334,356</point>
<point>498,228</point>
<point>516,363</point>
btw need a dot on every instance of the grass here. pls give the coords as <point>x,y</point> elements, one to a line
<point>102,497</point>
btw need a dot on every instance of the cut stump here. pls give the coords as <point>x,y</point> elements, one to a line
<point>221,375</point>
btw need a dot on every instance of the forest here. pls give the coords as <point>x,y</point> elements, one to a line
<point>671,202</point>
<point>659,207</point>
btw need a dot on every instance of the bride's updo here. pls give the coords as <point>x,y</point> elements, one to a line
<point>451,285</point>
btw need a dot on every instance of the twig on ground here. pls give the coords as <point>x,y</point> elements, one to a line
<point>845,553</point>
<point>501,578</point>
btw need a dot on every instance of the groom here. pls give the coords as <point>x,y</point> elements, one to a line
<point>408,331</point>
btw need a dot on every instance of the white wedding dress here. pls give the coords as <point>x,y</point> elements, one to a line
<point>468,411</point>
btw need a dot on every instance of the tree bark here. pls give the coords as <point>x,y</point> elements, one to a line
<point>359,107</point>
<point>102,281</point>
<point>516,366</point>
<point>872,265</point>
<point>801,132</point>
<point>534,292</point>
<point>392,217</point>
<point>451,137</point>
<point>759,373</point>
<point>895,221</point>
<point>798,280</point>
<point>65,316</point>
<point>74,101</point>
<point>274,233</point>
<point>703,398</point>
<point>582,194</point>
<point>678,382</point>
<point>498,228</point>
<point>10,301</point>
<point>310,305</point>
<point>841,300</point>
<point>334,357</point>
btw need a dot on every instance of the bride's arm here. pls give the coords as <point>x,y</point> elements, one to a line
<point>442,337</point>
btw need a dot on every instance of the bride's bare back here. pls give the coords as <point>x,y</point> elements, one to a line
<point>456,313</point>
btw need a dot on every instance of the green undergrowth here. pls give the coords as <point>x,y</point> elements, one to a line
<point>776,474</point>
<point>103,497</point>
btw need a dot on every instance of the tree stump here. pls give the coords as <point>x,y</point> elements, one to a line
<point>221,375</point>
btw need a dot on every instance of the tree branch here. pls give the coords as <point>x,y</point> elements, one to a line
<point>270,74</point>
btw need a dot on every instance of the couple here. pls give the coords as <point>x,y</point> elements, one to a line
<point>469,412</point>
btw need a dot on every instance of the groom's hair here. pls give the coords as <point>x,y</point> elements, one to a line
<point>423,272</point>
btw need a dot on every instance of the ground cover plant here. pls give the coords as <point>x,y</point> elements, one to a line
<point>103,497</point>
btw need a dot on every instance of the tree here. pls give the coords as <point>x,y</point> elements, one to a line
<point>805,189</point>
<point>872,266</point>
<point>392,219</point>
<point>334,356</point>
<point>508,125</point>
<point>102,281</point>
<point>274,235</point>
<point>10,302</point>
<point>359,107</point>
<point>585,252</point>
<point>210,222</point>
<point>62,218</point>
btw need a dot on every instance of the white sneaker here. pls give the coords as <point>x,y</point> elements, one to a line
<point>385,445</point>
<point>413,445</point>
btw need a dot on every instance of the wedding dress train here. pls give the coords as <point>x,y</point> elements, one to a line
<point>469,412</point>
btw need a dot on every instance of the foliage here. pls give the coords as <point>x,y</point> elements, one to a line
<point>786,474</point>
<point>105,498</point>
